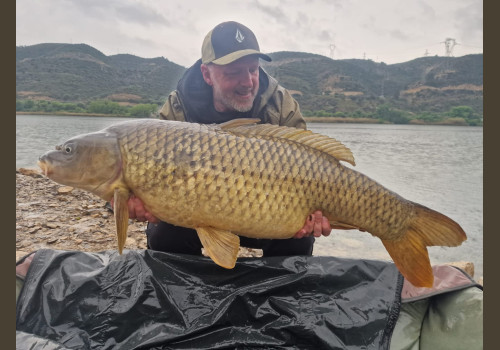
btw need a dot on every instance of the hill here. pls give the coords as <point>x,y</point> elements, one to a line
<point>78,72</point>
<point>427,84</point>
<point>323,86</point>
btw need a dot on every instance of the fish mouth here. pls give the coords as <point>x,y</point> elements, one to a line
<point>44,166</point>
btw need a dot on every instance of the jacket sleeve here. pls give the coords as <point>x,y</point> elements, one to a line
<point>280,108</point>
<point>290,114</point>
<point>172,109</point>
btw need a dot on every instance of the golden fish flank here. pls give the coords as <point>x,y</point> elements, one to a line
<point>244,179</point>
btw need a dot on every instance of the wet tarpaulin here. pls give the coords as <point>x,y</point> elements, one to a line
<point>154,300</point>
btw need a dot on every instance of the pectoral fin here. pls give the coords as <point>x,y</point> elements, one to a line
<point>221,246</point>
<point>121,216</point>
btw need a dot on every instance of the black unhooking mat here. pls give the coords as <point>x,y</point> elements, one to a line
<point>154,300</point>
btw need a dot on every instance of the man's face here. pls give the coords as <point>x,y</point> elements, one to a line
<point>234,85</point>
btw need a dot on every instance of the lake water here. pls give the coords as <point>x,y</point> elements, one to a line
<point>440,167</point>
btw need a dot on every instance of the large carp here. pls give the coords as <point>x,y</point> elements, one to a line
<point>242,178</point>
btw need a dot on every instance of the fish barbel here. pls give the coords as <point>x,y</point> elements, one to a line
<point>247,179</point>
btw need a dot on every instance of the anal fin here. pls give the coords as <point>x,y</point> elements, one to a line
<point>121,216</point>
<point>221,246</point>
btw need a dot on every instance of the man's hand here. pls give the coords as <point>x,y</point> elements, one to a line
<point>316,224</point>
<point>137,211</point>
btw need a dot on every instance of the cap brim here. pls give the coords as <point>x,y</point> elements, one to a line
<point>239,54</point>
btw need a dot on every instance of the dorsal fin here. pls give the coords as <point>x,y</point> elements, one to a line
<point>238,122</point>
<point>248,127</point>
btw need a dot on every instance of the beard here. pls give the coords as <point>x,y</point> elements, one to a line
<point>230,100</point>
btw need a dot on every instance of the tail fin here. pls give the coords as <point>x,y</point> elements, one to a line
<point>427,228</point>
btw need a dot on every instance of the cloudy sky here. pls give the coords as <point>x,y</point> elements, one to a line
<point>387,31</point>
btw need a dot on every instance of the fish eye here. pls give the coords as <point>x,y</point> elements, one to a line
<point>68,149</point>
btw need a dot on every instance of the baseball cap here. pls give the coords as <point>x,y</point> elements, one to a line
<point>228,42</point>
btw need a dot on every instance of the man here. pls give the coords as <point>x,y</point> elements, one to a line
<point>228,83</point>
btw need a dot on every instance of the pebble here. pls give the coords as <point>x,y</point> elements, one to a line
<point>65,189</point>
<point>29,172</point>
<point>34,230</point>
<point>130,242</point>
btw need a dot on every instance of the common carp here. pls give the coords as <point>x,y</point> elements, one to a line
<point>245,179</point>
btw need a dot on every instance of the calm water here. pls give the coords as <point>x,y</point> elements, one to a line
<point>440,167</point>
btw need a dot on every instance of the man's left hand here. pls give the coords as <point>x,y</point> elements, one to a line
<point>316,224</point>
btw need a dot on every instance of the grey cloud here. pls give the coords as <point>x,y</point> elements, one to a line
<point>302,21</point>
<point>141,14</point>
<point>369,23</point>
<point>427,11</point>
<point>117,10</point>
<point>397,34</point>
<point>338,4</point>
<point>272,11</point>
<point>469,22</point>
<point>325,35</point>
<point>91,8</point>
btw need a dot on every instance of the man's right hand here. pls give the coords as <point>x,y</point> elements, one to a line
<point>137,211</point>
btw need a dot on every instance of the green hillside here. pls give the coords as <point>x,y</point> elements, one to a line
<point>76,73</point>
<point>427,84</point>
<point>427,89</point>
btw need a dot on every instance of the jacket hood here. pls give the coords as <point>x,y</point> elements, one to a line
<point>196,97</point>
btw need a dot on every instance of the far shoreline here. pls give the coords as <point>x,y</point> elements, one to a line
<point>334,120</point>
<point>66,114</point>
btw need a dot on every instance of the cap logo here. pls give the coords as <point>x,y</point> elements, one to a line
<point>239,37</point>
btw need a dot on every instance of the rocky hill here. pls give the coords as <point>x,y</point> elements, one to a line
<point>432,84</point>
<point>80,73</point>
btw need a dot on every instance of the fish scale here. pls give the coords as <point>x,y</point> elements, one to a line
<point>238,178</point>
<point>226,175</point>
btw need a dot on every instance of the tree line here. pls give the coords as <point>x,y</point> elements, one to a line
<point>142,110</point>
<point>462,115</point>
